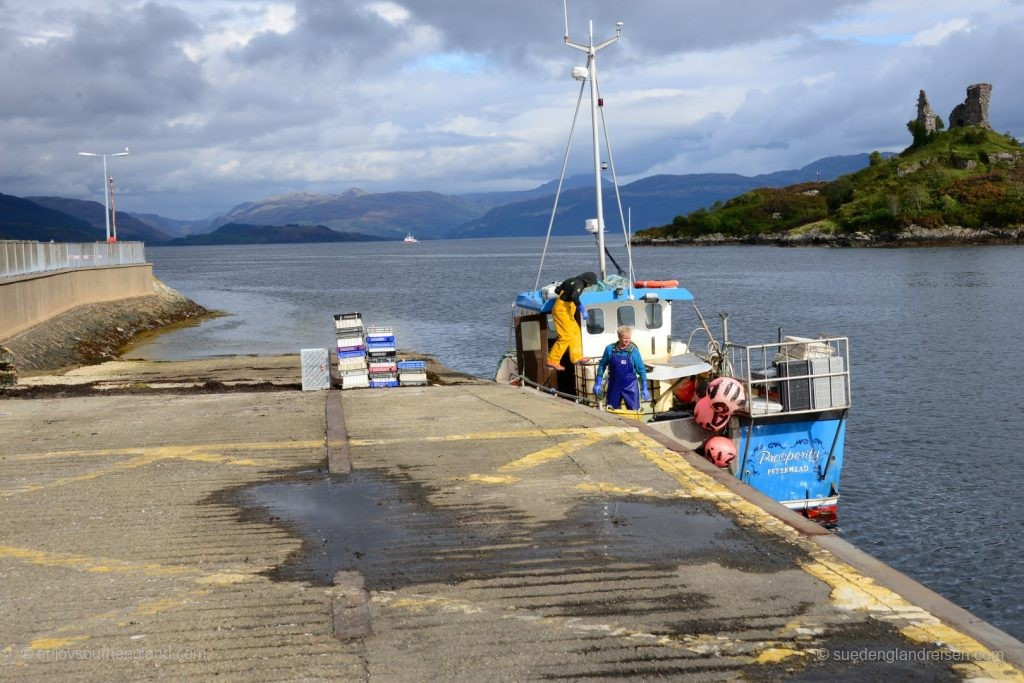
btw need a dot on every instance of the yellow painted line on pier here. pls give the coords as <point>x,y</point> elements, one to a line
<point>183,448</point>
<point>106,565</point>
<point>854,591</point>
<point>616,490</point>
<point>492,479</point>
<point>86,563</point>
<point>695,643</point>
<point>480,436</point>
<point>56,643</point>
<point>180,595</point>
<point>139,457</point>
<point>589,436</point>
<point>560,450</point>
<point>72,634</point>
<point>851,589</point>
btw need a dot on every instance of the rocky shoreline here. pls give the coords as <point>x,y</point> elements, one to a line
<point>913,236</point>
<point>98,332</point>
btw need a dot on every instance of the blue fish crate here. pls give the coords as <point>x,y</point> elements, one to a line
<point>380,339</point>
<point>355,353</point>
<point>382,383</point>
<point>412,365</point>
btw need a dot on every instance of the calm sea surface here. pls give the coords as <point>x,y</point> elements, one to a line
<point>933,462</point>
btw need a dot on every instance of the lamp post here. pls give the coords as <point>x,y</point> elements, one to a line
<point>106,185</point>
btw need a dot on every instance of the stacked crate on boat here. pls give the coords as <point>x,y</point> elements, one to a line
<point>351,350</point>
<point>412,373</point>
<point>381,356</point>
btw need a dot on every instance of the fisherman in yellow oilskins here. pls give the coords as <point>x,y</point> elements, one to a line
<point>564,313</point>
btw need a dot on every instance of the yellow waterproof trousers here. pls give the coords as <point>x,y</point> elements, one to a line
<point>564,313</point>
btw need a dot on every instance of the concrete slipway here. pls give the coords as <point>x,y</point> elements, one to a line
<point>155,528</point>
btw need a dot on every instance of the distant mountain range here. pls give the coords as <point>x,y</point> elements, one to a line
<point>358,215</point>
<point>239,233</point>
<point>385,214</point>
<point>655,200</point>
<point>21,219</point>
<point>129,228</point>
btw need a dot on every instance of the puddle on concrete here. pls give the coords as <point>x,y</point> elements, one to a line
<point>385,528</point>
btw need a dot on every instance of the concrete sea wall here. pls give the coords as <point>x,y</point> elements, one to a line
<point>64,319</point>
<point>28,300</point>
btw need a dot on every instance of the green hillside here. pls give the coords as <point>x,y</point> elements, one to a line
<point>967,177</point>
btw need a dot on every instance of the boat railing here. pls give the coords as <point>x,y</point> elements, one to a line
<point>793,376</point>
<point>24,257</point>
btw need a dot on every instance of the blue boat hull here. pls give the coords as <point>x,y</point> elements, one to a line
<point>795,459</point>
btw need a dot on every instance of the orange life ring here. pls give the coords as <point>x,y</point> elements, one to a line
<point>656,284</point>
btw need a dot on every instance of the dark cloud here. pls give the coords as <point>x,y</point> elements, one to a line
<point>654,27</point>
<point>329,33</point>
<point>224,101</point>
<point>111,66</point>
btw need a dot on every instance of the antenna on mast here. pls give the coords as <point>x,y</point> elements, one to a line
<point>565,10</point>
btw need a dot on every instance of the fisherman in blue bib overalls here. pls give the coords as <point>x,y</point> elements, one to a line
<point>625,367</point>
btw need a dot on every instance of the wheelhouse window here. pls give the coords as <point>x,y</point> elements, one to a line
<point>626,316</point>
<point>595,321</point>
<point>652,313</point>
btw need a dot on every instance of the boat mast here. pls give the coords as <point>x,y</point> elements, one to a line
<point>592,51</point>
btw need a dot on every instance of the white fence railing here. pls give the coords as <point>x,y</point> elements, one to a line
<point>19,257</point>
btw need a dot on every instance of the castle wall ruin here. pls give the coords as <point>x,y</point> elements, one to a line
<point>974,110</point>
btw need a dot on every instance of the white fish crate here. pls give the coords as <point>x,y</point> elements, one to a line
<point>354,363</point>
<point>346,321</point>
<point>412,379</point>
<point>355,381</point>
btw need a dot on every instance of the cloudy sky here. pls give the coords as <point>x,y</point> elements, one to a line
<point>226,101</point>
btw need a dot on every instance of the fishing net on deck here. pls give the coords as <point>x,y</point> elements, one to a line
<point>611,282</point>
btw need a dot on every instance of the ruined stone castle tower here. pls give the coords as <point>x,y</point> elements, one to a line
<point>925,115</point>
<point>974,110</point>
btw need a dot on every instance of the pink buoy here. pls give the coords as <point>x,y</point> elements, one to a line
<point>707,417</point>
<point>726,394</point>
<point>720,450</point>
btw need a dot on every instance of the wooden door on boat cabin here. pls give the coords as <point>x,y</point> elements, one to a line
<point>532,347</point>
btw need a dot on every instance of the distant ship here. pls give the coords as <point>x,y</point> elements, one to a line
<point>409,239</point>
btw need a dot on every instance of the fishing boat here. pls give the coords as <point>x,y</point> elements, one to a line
<point>409,239</point>
<point>771,413</point>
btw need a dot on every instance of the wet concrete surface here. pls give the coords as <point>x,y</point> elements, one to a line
<point>384,528</point>
<point>500,535</point>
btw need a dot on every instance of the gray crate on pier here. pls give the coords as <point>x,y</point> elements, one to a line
<point>316,370</point>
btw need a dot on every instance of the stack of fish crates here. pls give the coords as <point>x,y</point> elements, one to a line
<point>412,373</point>
<point>351,350</point>
<point>381,356</point>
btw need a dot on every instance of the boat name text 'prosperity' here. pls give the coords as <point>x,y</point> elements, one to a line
<point>811,455</point>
